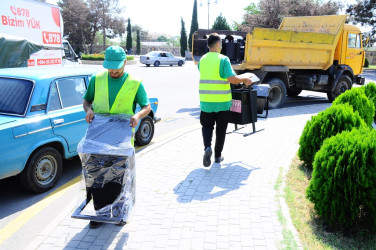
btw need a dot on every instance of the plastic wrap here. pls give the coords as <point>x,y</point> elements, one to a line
<point>108,159</point>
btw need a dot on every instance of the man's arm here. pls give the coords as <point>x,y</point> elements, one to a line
<point>236,80</point>
<point>89,112</point>
<point>145,110</point>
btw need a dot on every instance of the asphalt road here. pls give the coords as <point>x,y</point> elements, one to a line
<point>176,89</point>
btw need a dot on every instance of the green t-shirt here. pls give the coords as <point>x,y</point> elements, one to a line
<point>114,85</point>
<point>225,71</point>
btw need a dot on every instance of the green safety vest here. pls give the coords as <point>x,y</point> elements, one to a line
<point>213,88</point>
<point>123,103</point>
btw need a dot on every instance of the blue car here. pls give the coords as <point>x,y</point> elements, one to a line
<point>42,121</point>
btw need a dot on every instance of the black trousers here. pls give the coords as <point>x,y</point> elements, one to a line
<point>220,120</point>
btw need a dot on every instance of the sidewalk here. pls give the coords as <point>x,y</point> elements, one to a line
<point>182,205</point>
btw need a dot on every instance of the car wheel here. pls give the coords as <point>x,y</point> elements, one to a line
<point>43,170</point>
<point>170,65</point>
<point>343,84</point>
<point>156,63</point>
<point>180,63</point>
<point>147,65</point>
<point>145,132</point>
<point>277,93</point>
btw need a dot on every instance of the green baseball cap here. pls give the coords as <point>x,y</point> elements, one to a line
<point>114,57</point>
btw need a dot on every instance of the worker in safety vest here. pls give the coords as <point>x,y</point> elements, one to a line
<point>215,96</point>
<point>114,91</point>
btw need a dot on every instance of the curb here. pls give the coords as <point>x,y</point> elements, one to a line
<point>94,62</point>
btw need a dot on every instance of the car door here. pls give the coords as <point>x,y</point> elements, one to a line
<point>355,53</point>
<point>65,110</point>
<point>171,59</point>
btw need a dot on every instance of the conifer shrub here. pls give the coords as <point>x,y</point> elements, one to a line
<point>358,99</point>
<point>343,183</point>
<point>327,123</point>
<point>370,91</point>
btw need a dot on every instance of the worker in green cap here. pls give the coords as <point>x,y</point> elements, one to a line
<point>114,91</point>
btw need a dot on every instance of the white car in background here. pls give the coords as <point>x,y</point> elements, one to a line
<point>161,58</point>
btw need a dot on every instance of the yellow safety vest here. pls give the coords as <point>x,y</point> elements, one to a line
<point>213,88</point>
<point>123,103</point>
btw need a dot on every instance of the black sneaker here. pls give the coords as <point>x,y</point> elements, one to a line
<point>207,155</point>
<point>95,224</point>
<point>219,159</point>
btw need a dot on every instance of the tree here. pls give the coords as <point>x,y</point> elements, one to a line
<point>102,18</point>
<point>138,46</point>
<point>129,35</point>
<point>364,12</point>
<point>183,39</point>
<point>269,13</point>
<point>194,24</point>
<point>220,23</point>
<point>75,14</point>
<point>162,39</point>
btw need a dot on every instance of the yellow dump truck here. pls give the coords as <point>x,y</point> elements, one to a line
<point>317,53</point>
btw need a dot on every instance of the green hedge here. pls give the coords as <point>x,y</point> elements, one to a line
<point>343,183</point>
<point>358,99</point>
<point>370,91</point>
<point>327,123</point>
<point>100,57</point>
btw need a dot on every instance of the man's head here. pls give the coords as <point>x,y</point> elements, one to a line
<point>114,61</point>
<point>214,42</point>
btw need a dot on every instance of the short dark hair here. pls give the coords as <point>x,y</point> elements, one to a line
<point>213,38</point>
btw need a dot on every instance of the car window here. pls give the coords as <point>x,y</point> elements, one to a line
<point>54,101</point>
<point>169,55</point>
<point>14,95</point>
<point>71,91</point>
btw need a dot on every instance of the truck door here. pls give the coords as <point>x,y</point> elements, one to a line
<point>65,110</point>
<point>355,53</point>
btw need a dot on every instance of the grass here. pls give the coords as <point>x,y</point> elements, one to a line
<point>371,67</point>
<point>288,241</point>
<point>312,231</point>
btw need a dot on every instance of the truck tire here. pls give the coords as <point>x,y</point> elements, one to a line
<point>43,170</point>
<point>145,132</point>
<point>293,91</point>
<point>277,93</point>
<point>344,83</point>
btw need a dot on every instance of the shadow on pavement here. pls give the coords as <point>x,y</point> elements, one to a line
<point>16,198</point>
<point>102,239</point>
<point>207,183</point>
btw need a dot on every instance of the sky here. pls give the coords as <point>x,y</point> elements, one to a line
<point>163,16</point>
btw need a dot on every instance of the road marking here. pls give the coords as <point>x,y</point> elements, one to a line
<point>13,226</point>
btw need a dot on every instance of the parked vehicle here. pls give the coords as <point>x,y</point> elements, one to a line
<point>317,53</point>
<point>42,121</point>
<point>161,58</point>
<point>37,25</point>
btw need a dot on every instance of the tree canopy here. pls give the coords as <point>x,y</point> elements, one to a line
<point>364,13</point>
<point>194,24</point>
<point>183,39</point>
<point>269,13</point>
<point>220,23</point>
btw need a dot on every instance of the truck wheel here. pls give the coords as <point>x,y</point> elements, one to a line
<point>156,63</point>
<point>145,132</point>
<point>43,170</point>
<point>293,91</point>
<point>277,93</point>
<point>343,84</point>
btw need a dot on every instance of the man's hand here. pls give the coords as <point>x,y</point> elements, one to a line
<point>248,82</point>
<point>134,120</point>
<point>89,116</point>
